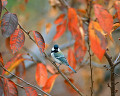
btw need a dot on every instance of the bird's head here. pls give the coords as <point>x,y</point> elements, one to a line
<point>55,48</point>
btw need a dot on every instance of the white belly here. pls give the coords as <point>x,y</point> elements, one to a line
<point>56,60</point>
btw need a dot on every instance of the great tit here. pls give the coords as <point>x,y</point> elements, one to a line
<point>59,57</point>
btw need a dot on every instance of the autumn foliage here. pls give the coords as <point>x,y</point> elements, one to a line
<point>90,31</point>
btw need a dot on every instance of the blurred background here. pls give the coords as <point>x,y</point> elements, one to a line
<point>35,15</point>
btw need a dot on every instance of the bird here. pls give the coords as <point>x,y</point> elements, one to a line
<point>59,57</point>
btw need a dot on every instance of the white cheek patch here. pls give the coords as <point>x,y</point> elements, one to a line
<point>53,49</point>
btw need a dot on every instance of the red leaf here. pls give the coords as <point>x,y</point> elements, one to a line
<point>105,19</point>
<point>26,1</point>
<point>1,87</point>
<point>39,41</point>
<point>9,24</point>
<point>4,3</point>
<point>98,41</point>
<point>59,19</point>
<point>10,88</point>
<point>60,30</point>
<point>17,40</point>
<point>41,74</point>
<point>30,91</point>
<point>11,61</point>
<point>117,7</point>
<point>49,84</point>
<point>80,50</point>
<point>71,59</point>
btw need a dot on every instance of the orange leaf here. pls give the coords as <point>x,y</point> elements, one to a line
<point>71,59</point>
<point>41,74</point>
<point>97,39</point>
<point>117,7</point>
<point>14,65</point>
<point>11,61</point>
<point>49,84</point>
<point>105,19</point>
<point>39,41</point>
<point>30,91</point>
<point>17,40</point>
<point>50,69</point>
<point>59,19</point>
<point>60,30</point>
<point>48,27</point>
<point>80,50</point>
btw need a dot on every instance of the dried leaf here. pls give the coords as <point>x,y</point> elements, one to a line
<point>11,61</point>
<point>60,30</point>
<point>59,19</point>
<point>97,39</point>
<point>39,41</point>
<point>17,40</point>
<point>105,19</point>
<point>30,91</point>
<point>9,24</point>
<point>10,88</point>
<point>14,65</point>
<point>49,84</point>
<point>117,7</point>
<point>71,59</point>
<point>41,74</point>
<point>48,27</point>
<point>115,26</point>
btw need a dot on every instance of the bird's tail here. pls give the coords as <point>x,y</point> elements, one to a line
<point>72,69</point>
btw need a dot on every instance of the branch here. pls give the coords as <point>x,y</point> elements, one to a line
<point>25,81</point>
<point>112,74</point>
<point>64,75</point>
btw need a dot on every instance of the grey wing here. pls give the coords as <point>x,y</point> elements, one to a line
<point>61,58</point>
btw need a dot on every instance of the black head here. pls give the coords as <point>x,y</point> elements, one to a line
<point>56,46</point>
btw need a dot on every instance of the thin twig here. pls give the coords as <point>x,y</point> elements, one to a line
<point>25,81</point>
<point>91,69</point>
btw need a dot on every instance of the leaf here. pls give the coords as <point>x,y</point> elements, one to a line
<point>60,30</point>
<point>50,69</point>
<point>105,19</point>
<point>0,7</point>
<point>26,1</point>
<point>20,71</point>
<point>1,87</point>
<point>30,91</point>
<point>1,59</point>
<point>71,59</point>
<point>41,74</point>
<point>4,3</point>
<point>115,26</point>
<point>17,40</point>
<point>11,61</point>
<point>7,43</point>
<point>59,19</point>
<point>97,39</point>
<point>10,88</point>
<point>49,84</point>
<point>14,65</point>
<point>9,24</point>
<point>48,27</point>
<point>39,41</point>
<point>80,50</point>
<point>117,7</point>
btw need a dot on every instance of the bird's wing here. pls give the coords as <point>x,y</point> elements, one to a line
<point>60,56</point>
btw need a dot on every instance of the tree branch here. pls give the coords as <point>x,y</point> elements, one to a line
<point>25,81</point>
<point>112,74</point>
